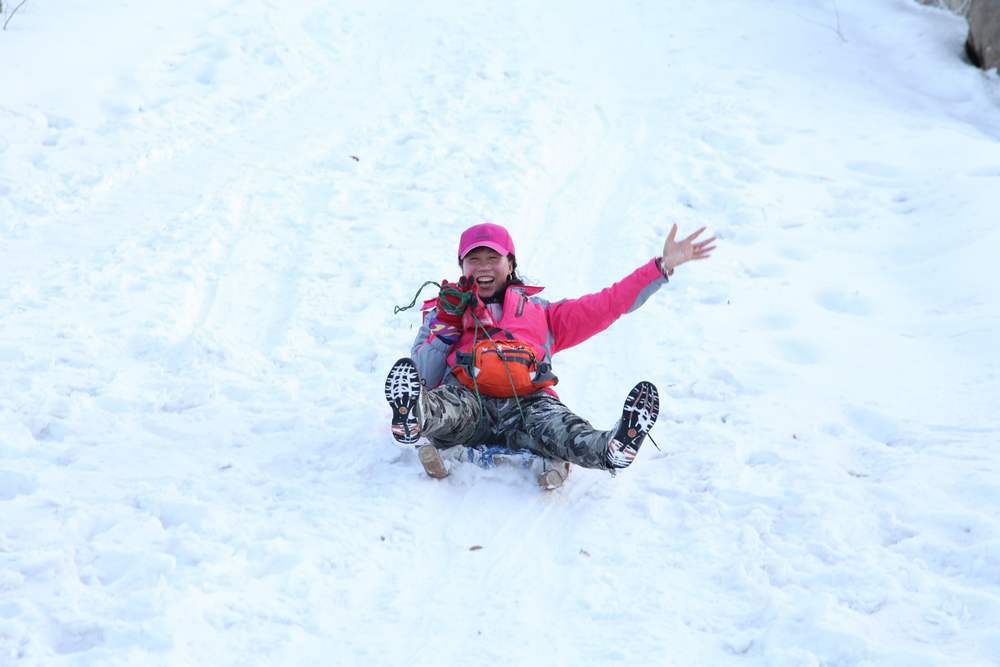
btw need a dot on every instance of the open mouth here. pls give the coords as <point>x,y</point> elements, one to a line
<point>485,281</point>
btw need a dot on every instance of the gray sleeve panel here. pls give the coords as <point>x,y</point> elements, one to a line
<point>646,292</point>
<point>544,303</point>
<point>430,355</point>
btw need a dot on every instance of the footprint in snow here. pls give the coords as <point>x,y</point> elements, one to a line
<point>798,352</point>
<point>777,321</point>
<point>903,204</point>
<point>714,299</point>
<point>876,169</point>
<point>14,484</point>
<point>128,570</point>
<point>981,172</point>
<point>76,638</point>
<point>763,458</point>
<point>841,301</point>
<point>794,253</point>
<point>58,122</point>
<point>874,424</point>
<point>764,270</point>
<point>771,137</point>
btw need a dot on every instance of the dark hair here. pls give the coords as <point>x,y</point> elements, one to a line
<point>514,278</point>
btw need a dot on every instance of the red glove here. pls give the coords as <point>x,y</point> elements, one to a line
<point>451,305</point>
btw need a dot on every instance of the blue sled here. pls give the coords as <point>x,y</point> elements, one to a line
<point>488,456</point>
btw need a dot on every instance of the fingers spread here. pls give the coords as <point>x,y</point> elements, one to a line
<point>703,253</point>
<point>694,234</point>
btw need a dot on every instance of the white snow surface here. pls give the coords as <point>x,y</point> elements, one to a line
<point>209,208</point>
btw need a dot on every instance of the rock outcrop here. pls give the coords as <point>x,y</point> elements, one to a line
<point>983,43</point>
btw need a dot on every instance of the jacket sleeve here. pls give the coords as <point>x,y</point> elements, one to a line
<point>430,354</point>
<point>573,321</point>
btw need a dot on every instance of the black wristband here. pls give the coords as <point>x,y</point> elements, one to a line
<point>663,272</point>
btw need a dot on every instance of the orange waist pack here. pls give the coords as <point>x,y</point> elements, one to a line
<point>502,368</point>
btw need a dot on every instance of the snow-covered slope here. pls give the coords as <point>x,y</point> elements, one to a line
<point>209,209</point>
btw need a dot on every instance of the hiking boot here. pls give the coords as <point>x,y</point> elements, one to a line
<point>554,477</point>
<point>402,390</point>
<point>642,406</point>
<point>430,459</point>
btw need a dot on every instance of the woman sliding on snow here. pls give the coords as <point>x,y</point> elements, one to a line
<point>484,354</point>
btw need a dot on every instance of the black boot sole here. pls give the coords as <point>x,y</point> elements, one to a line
<point>402,391</point>
<point>642,407</point>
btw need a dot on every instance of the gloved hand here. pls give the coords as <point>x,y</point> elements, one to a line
<point>452,301</point>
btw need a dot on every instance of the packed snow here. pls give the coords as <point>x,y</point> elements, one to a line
<point>209,208</point>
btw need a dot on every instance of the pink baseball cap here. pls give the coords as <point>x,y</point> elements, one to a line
<point>486,234</point>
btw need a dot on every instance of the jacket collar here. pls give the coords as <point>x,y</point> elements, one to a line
<point>526,290</point>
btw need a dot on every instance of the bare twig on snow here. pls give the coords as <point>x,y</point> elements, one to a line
<point>12,12</point>
<point>836,10</point>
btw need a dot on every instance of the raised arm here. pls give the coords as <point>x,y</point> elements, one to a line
<point>575,320</point>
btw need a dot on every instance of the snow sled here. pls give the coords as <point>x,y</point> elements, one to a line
<point>550,473</point>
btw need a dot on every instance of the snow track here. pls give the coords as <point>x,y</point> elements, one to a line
<point>207,216</point>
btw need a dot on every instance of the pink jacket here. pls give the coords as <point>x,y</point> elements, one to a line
<point>547,327</point>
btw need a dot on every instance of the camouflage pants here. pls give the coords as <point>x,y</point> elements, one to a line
<point>541,424</point>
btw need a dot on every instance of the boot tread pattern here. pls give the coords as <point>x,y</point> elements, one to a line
<point>402,391</point>
<point>642,407</point>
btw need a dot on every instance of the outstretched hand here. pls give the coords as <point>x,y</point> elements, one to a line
<point>676,252</point>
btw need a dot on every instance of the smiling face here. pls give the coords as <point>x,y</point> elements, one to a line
<point>488,268</point>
